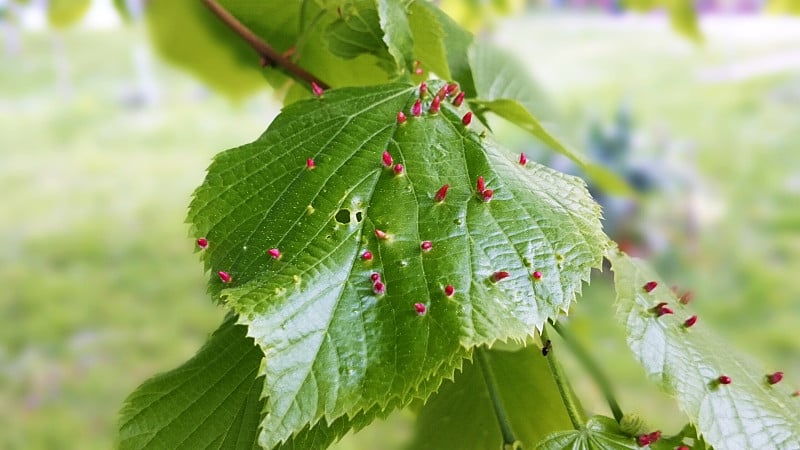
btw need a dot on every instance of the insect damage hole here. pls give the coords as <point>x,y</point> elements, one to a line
<point>343,216</point>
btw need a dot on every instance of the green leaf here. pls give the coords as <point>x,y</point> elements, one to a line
<point>314,53</point>
<point>64,13</point>
<point>456,42</point>
<point>499,75</point>
<point>333,346</point>
<point>428,37</point>
<point>358,31</point>
<point>187,34</point>
<point>600,433</point>
<point>461,415</point>
<point>686,362</point>
<point>322,434</point>
<point>199,37</point>
<point>517,114</point>
<point>397,32</point>
<point>211,401</point>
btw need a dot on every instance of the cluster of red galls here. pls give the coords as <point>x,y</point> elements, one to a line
<point>447,90</point>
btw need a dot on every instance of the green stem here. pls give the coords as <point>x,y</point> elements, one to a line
<point>494,396</point>
<point>591,366</point>
<point>574,411</point>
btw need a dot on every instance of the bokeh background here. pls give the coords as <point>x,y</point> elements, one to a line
<point>102,143</point>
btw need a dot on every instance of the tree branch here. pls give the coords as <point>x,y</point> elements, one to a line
<point>270,55</point>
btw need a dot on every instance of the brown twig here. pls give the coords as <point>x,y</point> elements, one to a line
<point>267,53</point>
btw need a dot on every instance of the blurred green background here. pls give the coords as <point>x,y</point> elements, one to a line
<point>98,159</point>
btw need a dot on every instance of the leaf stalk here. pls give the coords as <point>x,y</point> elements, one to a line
<point>494,396</point>
<point>591,366</point>
<point>270,55</point>
<point>574,410</point>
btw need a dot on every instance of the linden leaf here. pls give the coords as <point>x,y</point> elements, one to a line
<point>428,37</point>
<point>358,31</point>
<point>515,112</point>
<point>461,414</point>
<point>187,34</point>
<point>397,32</point>
<point>687,362</point>
<point>499,75</point>
<point>337,343</point>
<point>455,40</point>
<point>211,401</point>
<point>600,433</point>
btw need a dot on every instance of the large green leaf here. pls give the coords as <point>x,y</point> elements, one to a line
<point>333,346</point>
<point>212,401</point>
<point>461,415</point>
<point>687,362</point>
<point>516,113</point>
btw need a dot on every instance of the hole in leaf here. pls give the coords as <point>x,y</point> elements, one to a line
<point>359,216</point>
<point>343,216</point>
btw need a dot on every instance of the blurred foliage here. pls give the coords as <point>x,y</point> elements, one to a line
<point>682,14</point>
<point>475,15</point>
<point>122,9</point>
<point>104,290</point>
<point>784,6</point>
<point>64,13</point>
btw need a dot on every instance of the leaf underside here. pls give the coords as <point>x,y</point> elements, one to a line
<point>333,346</point>
<point>686,363</point>
<point>461,416</point>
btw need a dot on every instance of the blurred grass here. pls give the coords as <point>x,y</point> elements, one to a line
<point>102,288</point>
<point>101,285</point>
